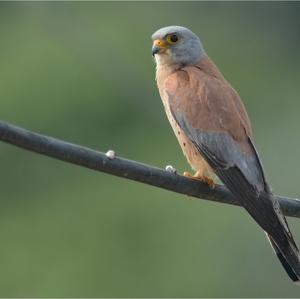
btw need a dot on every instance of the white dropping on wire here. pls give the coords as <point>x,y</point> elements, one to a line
<point>170,168</point>
<point>110,154</point>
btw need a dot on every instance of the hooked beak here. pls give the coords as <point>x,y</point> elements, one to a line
<point>158,47</point>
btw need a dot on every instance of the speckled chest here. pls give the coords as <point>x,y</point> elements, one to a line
<point>192,155</point>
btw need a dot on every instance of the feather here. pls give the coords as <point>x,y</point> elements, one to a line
<point>211,115</point>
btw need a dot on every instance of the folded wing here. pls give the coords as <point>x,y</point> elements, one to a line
<point>211,114</point>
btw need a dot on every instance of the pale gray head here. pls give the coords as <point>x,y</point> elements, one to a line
<point>177,45</point>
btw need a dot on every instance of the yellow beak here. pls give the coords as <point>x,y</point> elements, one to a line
<point>158,47</point>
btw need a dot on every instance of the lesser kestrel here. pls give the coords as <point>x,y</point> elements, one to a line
<point>214,132</point>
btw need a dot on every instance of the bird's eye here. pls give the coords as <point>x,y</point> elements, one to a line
<point>172,38</point>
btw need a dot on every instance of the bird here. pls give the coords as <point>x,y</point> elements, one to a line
<point>214,132</point>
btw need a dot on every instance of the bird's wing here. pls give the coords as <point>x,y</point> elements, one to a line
<point>212,116</point>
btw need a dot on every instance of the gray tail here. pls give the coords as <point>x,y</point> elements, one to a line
<point>261,204</point>
<point>291,272</point>
<point>265,210</point>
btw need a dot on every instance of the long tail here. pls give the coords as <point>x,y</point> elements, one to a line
<point>283,243</point>
<point>265,210</point>
<point>292,273</point>
<point>257,198</point>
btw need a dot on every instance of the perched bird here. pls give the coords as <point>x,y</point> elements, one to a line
<point>214,132</point>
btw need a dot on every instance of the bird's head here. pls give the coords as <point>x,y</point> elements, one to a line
<point>176,45</point>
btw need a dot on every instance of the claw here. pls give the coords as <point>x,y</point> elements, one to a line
<point>210,182</point>
<point>188,174</point>
<point>205,179</point>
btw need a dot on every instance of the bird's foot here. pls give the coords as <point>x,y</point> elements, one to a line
<point>187,174</point>
<point>203,178</point>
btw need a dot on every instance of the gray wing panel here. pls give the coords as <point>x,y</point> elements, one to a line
<point>243,175</point>
<point>224,152</point>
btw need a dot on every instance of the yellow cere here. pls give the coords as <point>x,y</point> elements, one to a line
<point>159,42</point>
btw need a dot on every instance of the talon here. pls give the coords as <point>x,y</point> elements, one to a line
<point>187,174</point>
<point>210,182</point>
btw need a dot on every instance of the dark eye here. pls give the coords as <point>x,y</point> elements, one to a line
<point>172,38</point>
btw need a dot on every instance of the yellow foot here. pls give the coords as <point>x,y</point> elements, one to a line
<point>187,174</point>
<point>210,182</point>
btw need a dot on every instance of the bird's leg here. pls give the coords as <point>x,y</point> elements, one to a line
<point>199,175</point>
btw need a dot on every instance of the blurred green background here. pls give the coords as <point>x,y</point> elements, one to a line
<point>83,72</point>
